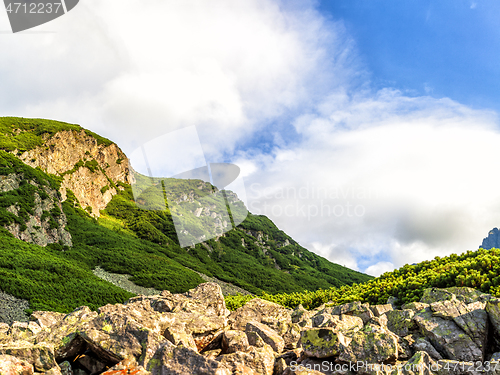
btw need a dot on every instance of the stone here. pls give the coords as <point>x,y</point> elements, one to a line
<point>422,344</point>
<point>24,330</point>
<point>415,306</point>
<point>493,310</point>
<point>41,355</point>
<point>322,342</point>
<point>234,341</point>
<point>379,310</point>
<point>169,359</point>
<point>420,364</point>
<point>177,334</point>
<point>268,335</point>
<point>46,319</point>
<point>66,368</point>
<point>10,365</point>
<point>361,310</point>
<point>255,360</point>
<point>206,299</point>
<point>258,310</point>
<point>291,336</point>
<point>401,322</point>
<point>472,318</point>
<point>125,367</point>
<point>447,337</point>
<point>254,339</point>
<point>63,334</point>
<point>435,295</point>
<point>372,346</point>
<point>469,295</point>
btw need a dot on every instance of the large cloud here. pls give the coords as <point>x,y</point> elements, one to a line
<point>134,70</point>
<point>384,179</point>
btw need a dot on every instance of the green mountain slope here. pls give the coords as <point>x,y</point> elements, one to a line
<point>476,269</point>
<point>51,242</point>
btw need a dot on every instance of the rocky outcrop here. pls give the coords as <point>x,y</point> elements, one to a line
<point>194,333</point>
<point>90,169</point>
<point>492,241</point>
<point>44,222</point>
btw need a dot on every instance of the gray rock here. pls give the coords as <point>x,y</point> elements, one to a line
<point>401,322</point>
<point>447,337</point>
<point>171,360</point>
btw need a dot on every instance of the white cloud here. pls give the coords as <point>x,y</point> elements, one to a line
<point>379,268</point>
<point>387,176</point>
<point>135,70</point>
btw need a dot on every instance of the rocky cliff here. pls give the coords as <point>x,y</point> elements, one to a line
<point>451,331</point>
<point>492,241</point>
<point>90,169</point>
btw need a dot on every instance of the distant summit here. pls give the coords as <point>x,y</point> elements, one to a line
<point>493,240</point>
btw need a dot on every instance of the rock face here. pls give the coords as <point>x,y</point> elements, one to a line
<point>194,333</point>
<point>89,169</point>
<point>492,241</point>
<point>45,223</point>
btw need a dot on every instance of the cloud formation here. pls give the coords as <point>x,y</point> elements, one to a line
<point>366,179</point>
<point>385,178</point>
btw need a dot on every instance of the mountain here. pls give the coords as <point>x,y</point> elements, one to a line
<point>492,241</point>
<point>67,210</point>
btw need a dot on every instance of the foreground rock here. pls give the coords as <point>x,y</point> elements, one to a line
<point>194,333</point>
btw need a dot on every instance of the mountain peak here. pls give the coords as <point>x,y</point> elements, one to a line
<point>492,241</point>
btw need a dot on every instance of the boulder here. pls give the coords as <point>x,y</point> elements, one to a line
<point>253,361</point>
<point>401,322</point>
<point>127,366</point>
<point>261,311</point>
<point>64,334</point>
<point>205,299</point>
<point>46,319</point>
<point>41,355</point>
<point>172,360</point>
<point>435,295</point>
<point>24,330</point>
<point>177,334</point>
<point>122,331</point>
<point>370,345</point>
<point>268,335</point>
<point>361,310</point>
<point>379,310</point>
<point>447,337</point>
<point>322,342</point>
<point>234,341</point>
<point>10,365</point>
<point>421,363</point>
<point>469,295</point>
<point>472,318</point>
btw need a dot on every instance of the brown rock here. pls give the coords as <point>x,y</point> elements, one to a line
<point>260,311</point>
<point>267,334</point>
<point>10,365</point>
<point>41,355</point>
<point>234,341</point>
<point>255,360</point>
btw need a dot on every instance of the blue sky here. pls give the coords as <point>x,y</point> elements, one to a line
<point>365,129</point>
<point>448,48</point>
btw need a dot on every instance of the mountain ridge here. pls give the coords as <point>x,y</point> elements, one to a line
<point>122,237</point>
